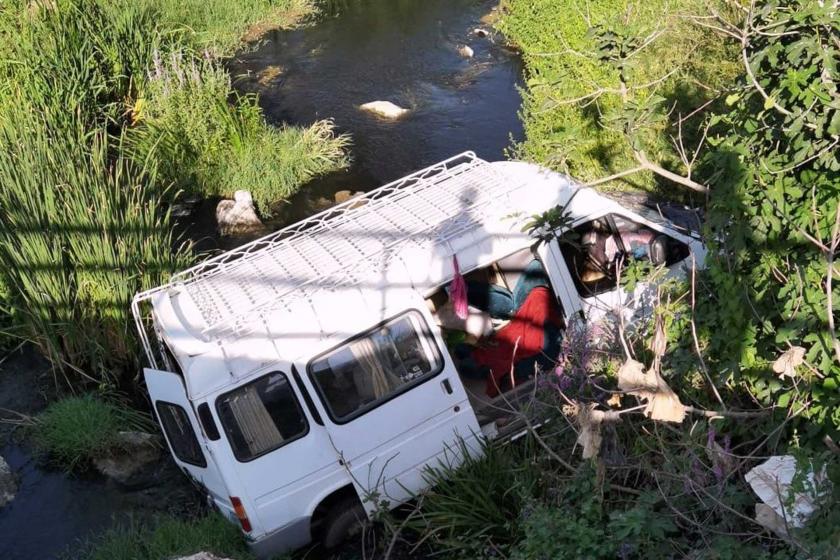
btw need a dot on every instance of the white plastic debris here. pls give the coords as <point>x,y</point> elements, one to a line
<point>772,480</point>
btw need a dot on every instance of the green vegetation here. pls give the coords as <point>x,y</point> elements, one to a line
<point>220,26</point>
<point>574,107</point>
<point>75,430</point>
<point>98,137</point>
<point>214,141</point>
<point>475,508</point>
<point>168,538</point>
<point>774,170</point>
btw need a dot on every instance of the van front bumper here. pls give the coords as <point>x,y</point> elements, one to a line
<point>289,537</point>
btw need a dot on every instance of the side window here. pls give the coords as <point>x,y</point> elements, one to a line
<point>261,416</point>
<point>179,432</point>
<point>376,366</point>
<point>594,250</point>
<point>643,243</point>
<point>585,252</point>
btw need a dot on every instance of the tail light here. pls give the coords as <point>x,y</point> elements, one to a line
<point>240,514</point>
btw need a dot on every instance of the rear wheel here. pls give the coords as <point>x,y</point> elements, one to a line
<point>346,520</point>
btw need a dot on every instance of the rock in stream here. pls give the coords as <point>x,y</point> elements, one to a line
<point>8,483</point>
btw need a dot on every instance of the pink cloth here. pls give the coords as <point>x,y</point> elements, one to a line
<point>458,292</point>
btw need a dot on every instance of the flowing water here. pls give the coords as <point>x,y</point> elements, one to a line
<point>403,51</point>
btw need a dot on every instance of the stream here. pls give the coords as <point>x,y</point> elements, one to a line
<point>403,51</point>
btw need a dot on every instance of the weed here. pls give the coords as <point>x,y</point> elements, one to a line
<point>167,538</point>
<point>75,430</point>
<point>212,141</point>
<point>475,509</point>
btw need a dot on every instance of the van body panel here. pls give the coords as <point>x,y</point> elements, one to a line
<point>385,449</point>
<point>276,486</point>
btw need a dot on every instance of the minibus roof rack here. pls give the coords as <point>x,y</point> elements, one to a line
<point>431,206</point>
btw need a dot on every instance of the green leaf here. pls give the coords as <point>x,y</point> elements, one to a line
<point>732,98</point>
<point>769,103</point>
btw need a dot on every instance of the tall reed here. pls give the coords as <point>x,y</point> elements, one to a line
<point>81,230</point>
<point>212,141</point>
<point>84,221</point>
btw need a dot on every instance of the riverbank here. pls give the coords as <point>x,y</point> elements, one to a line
<point>110,114</point>
<point>611,79</point>
<point>128,109</point>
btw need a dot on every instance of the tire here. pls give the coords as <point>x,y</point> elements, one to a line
<point>345,520</point>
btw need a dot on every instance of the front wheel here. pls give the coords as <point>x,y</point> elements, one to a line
<point>346,520</point>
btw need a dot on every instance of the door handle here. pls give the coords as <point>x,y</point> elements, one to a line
<point>447,386</point>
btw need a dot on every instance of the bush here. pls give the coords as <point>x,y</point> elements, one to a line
<point>573,106</point>
<point>775,171</point>
<point>75,430</point>
<point>476,509</point>
<point>212,141</point>
<point>169,538</point>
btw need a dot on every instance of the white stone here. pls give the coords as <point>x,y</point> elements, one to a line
<point>384,109</point>
<point>466,51</point>
<point>480,32</point>
<point>201,556</point>
<point>133,452</point>
<point>238,216</point>
<point>8,483</point>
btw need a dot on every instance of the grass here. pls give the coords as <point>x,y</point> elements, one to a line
<point>84,211</point>
<point>82,230</point>
<point>75,430</point>
<point>221,26</point>
<point>169,538</point>
<point>576,134</point>
<point>476,509</point>
<point>215,141</point>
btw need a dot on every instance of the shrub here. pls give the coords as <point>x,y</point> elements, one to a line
<point>74,430</point>
<point>212,141</point>
<point>168,538</point>
<point>573,106</point>
<point>476,509</point>
<point>775,214</point>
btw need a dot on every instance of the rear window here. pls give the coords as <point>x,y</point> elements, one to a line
<point>261,416</point>
<point>376,366</point>
<point>179,432</point>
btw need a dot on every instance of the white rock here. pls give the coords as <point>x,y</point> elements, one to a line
<point>466,51</point>
<point>238,216</point>
<point>8,483</point>
<point>133,451</point>
<point>201,556</point>
<point>384,109</point>
<point>480,32</point>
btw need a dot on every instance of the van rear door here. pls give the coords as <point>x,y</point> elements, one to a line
<point>395,404</point>
<point>183,433</point>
